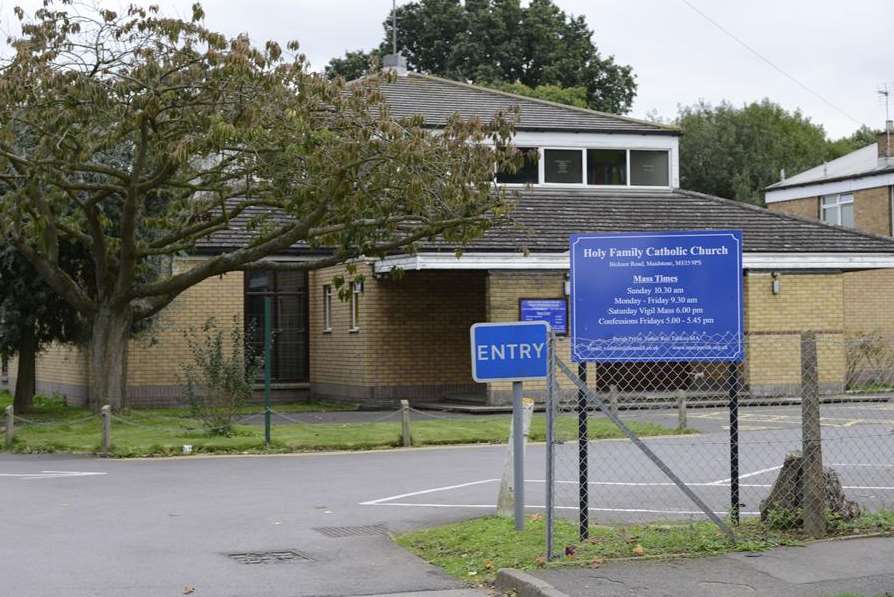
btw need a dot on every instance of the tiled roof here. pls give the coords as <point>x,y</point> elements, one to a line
<point>437,99</point>
<point>543,220</point>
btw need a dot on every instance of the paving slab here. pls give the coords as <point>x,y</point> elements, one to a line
<point>862,566</point>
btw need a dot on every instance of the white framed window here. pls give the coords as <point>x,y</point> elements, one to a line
<point>838,209</point>
<point>356,289</point>
<point>593,166</point>
<point>327,308</point>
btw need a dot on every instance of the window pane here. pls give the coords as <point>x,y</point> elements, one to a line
<point>290,281</point>
<point>259,282</point>
<point>563,165</point>
<point>845,198</point>
<point>527,174</point>
<point>847,214</point>
<point>830,214</point>
<point>649,168</point>
<point>607,166</point>
<point>830,200</point>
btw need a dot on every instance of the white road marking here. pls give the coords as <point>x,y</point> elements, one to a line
<point>51,475</point>
<point>745,476</point>
<point>425,491</point>
<point>530,507</point>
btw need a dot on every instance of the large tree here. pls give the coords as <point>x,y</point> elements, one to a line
<point>141,136</point>
<point>736,152</point>
<point>502,41</point>
<point>33,315</point>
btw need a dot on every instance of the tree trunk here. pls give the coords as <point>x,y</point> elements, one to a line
<point>26,378</point>
<point>108,358</point>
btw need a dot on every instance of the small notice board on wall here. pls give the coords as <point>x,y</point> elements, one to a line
<point>552,311</point>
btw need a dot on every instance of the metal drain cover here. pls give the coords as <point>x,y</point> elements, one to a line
<point>269,557</point>
<point>368,531</point>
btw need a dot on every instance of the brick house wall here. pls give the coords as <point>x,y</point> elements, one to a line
<point>773,326</point>
<point>155,355</point>
<point>872,209</point>
<point>412,342</point>
<point>808,207</point>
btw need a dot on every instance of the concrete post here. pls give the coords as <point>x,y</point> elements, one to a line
<point>10,426</point>
<point>405,435</point>
<point>106,414</point>
<point>681,410</point>
<point>813,499</point>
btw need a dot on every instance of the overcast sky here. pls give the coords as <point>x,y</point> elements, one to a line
<point>842,51</point>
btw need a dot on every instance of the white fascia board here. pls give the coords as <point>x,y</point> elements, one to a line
<point>828,188</point>
<point>560,261</point>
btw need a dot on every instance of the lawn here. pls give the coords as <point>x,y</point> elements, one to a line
<point>475,549</point>
<point>163,432</point>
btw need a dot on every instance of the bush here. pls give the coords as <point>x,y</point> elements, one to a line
<point>870,362</point>
<point>218,380</point>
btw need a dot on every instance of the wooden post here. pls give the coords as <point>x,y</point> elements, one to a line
<point>10,426</point>
<point>813,485</point>
<point>405,435</point>
<point>106,414</point>
<point>681,410</point>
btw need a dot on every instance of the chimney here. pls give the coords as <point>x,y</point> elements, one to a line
<point>395,62</point>
<point>886,142</point>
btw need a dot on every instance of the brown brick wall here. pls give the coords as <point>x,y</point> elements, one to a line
<point>773,324</point>
<point>807,207</point>
<point>868,298</point>
<point>872,210</point>
<point>412,342</point>
<point>156,354</point>
<point>504,289</point>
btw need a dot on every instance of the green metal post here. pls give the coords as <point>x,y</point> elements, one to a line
<point>268,358</point>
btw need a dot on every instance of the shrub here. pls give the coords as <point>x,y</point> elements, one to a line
<point>870,362</point>
<point>219,377</point>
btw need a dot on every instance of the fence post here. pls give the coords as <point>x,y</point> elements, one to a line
<point>733,392</point>
<point>682,423</point>
<point>405,436</point>
<point>106,414</point>
<point>583,446</point>
<point>813,498</point>
<point>550,442</point>
<point>10,425</point>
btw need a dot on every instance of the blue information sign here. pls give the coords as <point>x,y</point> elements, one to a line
<point>509,351</point>
<point>662,296</point>
<point>552,311</point>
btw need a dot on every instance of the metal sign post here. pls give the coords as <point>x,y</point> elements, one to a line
<point>512,352</point>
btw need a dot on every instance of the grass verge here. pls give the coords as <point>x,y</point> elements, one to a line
<point>163,432</point>
<point>474,550</point>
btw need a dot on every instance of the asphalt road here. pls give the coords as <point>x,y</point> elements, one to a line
<point>84,527</point>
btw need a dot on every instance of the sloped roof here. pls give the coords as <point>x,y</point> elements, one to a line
<point>437,99</point>
<point>544,218</point>
<point>856,164</point>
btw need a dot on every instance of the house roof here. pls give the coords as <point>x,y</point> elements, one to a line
<point>856,164</point>
<point>544,219</point>
<point>436,100</point>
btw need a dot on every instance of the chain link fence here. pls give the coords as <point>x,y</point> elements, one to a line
<point>800,434</point>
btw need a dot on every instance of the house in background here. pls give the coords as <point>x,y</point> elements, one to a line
<point>407,337</point>
<point>855,190</point>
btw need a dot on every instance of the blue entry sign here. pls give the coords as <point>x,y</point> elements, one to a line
<point>663,296</point>
<point>509,351</point>
<point>552,311</point>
